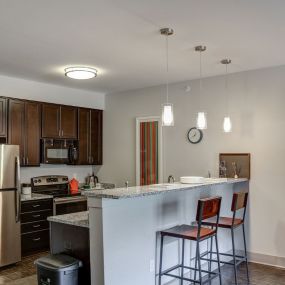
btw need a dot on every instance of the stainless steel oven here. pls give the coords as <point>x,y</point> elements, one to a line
<point>59,151</point>
<point>66,205</point>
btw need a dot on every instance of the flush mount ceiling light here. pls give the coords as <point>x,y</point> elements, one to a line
<point>80,72</point>
<point>167,108</point>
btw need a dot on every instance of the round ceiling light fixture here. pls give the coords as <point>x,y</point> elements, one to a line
<point>80,72</point>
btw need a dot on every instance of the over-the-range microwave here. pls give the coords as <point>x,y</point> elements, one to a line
<point>59,151</point>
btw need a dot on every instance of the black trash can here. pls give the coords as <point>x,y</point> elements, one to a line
<point>58,269</point>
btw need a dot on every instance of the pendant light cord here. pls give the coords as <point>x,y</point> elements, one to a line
<point>200,73</point>
<point>227,93</point>
<point>167,68</point>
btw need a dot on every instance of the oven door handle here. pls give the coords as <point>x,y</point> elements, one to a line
<point>68,201</point>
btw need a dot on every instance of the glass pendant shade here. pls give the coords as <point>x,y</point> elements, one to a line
<point>227,125</point>
<point>202,121</point>
<point>167,115</point>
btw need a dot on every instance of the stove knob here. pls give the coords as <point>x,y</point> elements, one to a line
<point>35,181</point>
<point>39,180</point>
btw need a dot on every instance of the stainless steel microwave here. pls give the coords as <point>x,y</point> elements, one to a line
<point>59,151</point>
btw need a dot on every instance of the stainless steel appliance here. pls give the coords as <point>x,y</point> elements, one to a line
<point>58,186</point>
<point>10,201</point>
<point>59,151</point>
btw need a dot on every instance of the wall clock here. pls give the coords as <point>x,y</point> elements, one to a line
<point>194,135</point>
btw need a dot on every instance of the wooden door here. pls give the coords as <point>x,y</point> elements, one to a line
<point>68,122</point>
<point>50,120</point>
<point>16,132</point>
<point>96,137</point>
<point>3,117</point>
<point>32,133</point>
<point>84,136</point>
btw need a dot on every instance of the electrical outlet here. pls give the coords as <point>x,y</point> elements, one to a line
<point>151,265</point>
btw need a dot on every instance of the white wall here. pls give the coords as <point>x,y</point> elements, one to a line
<point>26,89</point>
<point>257,100</point>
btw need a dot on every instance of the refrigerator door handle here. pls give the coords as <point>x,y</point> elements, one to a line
<point>18,192</point>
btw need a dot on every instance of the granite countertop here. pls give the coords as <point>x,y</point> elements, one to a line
<point>33,197</point>
<point>155,189</point>
<point>79,219</point>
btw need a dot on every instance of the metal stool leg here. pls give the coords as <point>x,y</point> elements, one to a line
<point>182,263</point>
<point>245,253</point>
<point>234,255</point>
<point>160,259</point>
<point>196,262</point>
<point>218,259</point>
<point>199,262</point>
<point>211,255</point>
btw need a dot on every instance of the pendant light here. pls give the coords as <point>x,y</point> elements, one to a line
<point>201,122</point>
<point>227,123</point>
<point>167,108</point>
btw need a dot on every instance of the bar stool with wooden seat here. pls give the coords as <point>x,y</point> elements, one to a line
<point>239,203</point>
<point>207,208</point>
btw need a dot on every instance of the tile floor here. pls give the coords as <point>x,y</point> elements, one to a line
<point>24,274</point>
<point>24,269</point>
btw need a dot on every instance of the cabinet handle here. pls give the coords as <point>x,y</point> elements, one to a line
<point>62,133</point>
<point>36,216</point>
<point>92,159</point>
<point>27,160</point>
<point>36,239</point>
<point>36,226</point>
<point>36,206</point>
<point>59,133</point>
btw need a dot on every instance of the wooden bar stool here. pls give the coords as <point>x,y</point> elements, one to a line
<point>239,203</point>
<point>207,208</point>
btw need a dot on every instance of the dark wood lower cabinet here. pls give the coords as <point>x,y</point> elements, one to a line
<point>35,241</point>
<point>34,225</point>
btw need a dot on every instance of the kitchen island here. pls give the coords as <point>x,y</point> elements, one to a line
<point>69,234</point>
<point>124,227</point>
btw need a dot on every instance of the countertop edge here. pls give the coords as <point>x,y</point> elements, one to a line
<point>105,195</point>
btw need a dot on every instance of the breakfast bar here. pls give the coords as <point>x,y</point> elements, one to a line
<point>125,223</point>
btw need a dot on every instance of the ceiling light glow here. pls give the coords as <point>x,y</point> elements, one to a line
<point>80,73</point>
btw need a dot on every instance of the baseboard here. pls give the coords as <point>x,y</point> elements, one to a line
<point>276,261</point>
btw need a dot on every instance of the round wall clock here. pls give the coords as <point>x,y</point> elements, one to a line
<point>195,135</point>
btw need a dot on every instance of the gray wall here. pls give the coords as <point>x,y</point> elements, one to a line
<point>257,100</point>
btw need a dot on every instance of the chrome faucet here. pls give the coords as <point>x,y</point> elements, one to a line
<point>171,177</point>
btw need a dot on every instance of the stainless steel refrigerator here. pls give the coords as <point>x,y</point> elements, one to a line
<point>10,199</point>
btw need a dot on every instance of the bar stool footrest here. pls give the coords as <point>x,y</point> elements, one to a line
<point>178,266</point>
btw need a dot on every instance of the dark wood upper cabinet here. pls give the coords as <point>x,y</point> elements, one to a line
<point>84,135</point>
<point>68,122</point>
<point>16,132</point>
<point>32,133</point>
<point>59,121</point>
<point>24,130</point>
<point>3,117</point>
<point>96,137</point>
<point>50,121</point>
<point>90,136</point>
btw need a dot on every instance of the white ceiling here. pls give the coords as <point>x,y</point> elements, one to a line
<point>121,38</point>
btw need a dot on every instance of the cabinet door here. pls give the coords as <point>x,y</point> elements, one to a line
<point>16,132</point>
<point>50,121</point>
<point>3,117</point>
<point>96,137</point>
<point>68,122</point>
<point>84,136</point>
<point>32,133</point>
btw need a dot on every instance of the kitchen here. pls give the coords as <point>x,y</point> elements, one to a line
<point>181,89</point>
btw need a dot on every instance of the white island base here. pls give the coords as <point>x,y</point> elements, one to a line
<point>125,225</point>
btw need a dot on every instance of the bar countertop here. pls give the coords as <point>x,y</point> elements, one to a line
<point>156,189</point>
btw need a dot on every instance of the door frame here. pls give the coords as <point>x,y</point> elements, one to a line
<point>160,146</point>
